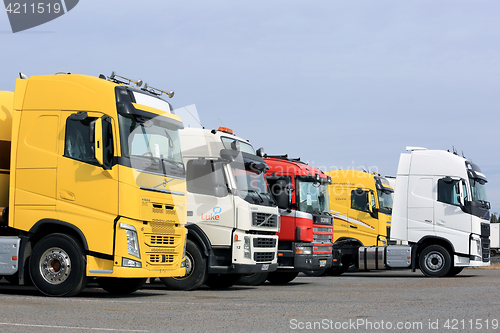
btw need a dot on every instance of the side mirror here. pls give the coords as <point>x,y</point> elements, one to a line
<point>98,151</point>
<point>102,138</point>
<point>228,155</point>
<point>281,194</point>
<point>220,191</point>
<point>260,152</point>
<point>220,186</point>
<point>371,203</point>
<point>459,190</point>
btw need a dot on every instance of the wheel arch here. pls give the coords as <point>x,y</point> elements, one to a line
<point>196,234</point>
<point>46,227</point>
<point>433,240</point>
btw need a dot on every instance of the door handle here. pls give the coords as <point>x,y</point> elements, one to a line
<point>66,195</point>
<point>353,226</point>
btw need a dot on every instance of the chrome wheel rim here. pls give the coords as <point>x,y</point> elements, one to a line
<point>55,265</point>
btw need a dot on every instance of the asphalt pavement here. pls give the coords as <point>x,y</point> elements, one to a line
<point>383,301</point>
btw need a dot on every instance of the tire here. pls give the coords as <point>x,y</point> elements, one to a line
<point>196,270</point>
<point>454,271</point>
<point>222,281</point>
<point>255,279</point>
<point>281,277</point>
<point>318,272</point>
<point>435,261</point>
<point>336,271</point>
<point>120,286</point>
<point>493,253</point>
<point>57,266</point>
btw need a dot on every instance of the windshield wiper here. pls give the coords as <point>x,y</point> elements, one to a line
<point>254,191</point>
<point>179,165</point>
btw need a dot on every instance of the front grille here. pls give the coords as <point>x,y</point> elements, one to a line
<point>322,248</point>
<point>265,220</point>
<point>161,258</point>
<point>322,238</point>
<point>162,228</point>
<point>316,229</point>
<point>264,242</point>
<point>162,240</point>
<point>485,245</point>
<point>263,256</point>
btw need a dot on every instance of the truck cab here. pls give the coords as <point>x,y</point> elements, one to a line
<point>440,218</point>
<point>305,238</point>
<point>361,203</point>
<point>232,217</point>
<point>95,185</point>
<point>440,201</point>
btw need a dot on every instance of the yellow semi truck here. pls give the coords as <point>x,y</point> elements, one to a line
<point>361,204</point>
<point>92,184</point>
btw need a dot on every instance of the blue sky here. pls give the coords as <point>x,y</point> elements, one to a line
<point>340,84</point>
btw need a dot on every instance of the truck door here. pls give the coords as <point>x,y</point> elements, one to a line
<point>87,195</point>
<point>450,219</point>
<point>340,201</point>
<point>363,217</point>
<point>209,203</point>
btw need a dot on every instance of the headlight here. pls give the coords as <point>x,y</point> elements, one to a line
<point>132,240</point>
<point>303,250</point>
<point>246,248</point>
<point>477,247</point>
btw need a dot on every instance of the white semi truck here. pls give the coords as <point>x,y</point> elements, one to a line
<point>440,217</point>
<point>232,218</point>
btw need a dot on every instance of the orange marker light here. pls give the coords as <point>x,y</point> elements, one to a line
<point>235,237</point>
<point>225,130</point>
<point>14,258</point>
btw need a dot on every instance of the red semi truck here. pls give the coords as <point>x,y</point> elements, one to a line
<point>306,231</point>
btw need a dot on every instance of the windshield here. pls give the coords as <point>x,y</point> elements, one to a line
<point>245,147</point>
<point>313,197</point>
<point>151,144</point>
<point>385,198</point>
<point>478,190</point>
<point>252,186</point>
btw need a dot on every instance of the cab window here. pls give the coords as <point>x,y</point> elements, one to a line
<point>77,143</point>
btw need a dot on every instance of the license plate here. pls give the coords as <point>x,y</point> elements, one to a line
<point>322,263</point>
<point>265,267</point>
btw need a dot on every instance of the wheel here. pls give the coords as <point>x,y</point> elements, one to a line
<point>196,270</point>
<point>339,270</point>
<point>281,277</point>
<point>493,253</point>
<point>120,286</point>
<point>57,266</point>
<point>454,271</point>
<point>222,281</point>
<point>435,261</point>
<point>336,271</point>
<point>318,272</point>
<point>255,279</point>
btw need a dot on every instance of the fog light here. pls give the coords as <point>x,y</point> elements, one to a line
<point>131,263</point>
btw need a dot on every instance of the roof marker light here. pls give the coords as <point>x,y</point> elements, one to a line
<point>225,130</point>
